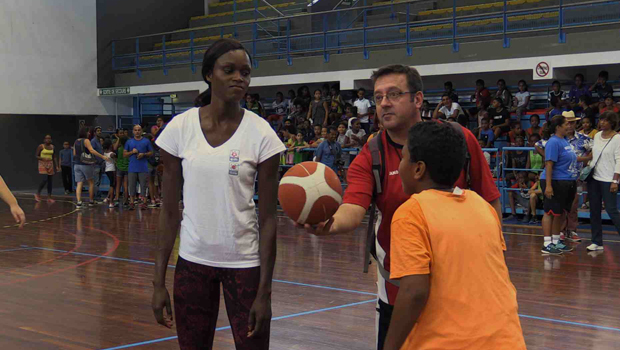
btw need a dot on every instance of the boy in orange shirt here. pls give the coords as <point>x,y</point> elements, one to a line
<point>455,293</point>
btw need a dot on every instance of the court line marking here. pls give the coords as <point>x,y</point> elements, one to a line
<point>46,219</point>
<point>173,266</point>
<point>344,290</point>
<point>228,327</point>
<point>16,249</point>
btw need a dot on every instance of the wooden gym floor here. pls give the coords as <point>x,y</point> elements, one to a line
<point>82,280</point>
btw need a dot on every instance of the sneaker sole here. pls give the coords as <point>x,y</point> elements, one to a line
<point>595,250</point>
<point>549,253</point>
<point>578,240</point>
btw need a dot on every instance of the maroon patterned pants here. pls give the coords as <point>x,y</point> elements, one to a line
<point>197,303</point>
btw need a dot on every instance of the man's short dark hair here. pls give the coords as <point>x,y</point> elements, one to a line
<point>579,75</point>
<point>604,74</point>
<point>279,93</point>
<point>584,98</point>
<point>446,95</point>
<point>98,128</point>
<point>501,81</point>
<point>448,83</point>
<point>332,128</point>
<point>441,148</point>
<point>414,80</point>
<point>535,135</point>
<point>611,117</point>
<point>362,90</point>
<point>480,82</point>
<point>556,82</point>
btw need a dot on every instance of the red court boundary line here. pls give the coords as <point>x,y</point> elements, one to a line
<point>110,251</point>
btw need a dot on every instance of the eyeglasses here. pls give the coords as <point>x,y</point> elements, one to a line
<point>391,96</point>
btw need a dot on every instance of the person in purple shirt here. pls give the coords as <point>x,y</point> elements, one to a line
<point>578,90</point>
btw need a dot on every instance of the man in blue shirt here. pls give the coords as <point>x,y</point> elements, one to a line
<point>578,90</point>
<point>138,150</point>
<point>65,165</point>
<point>100,162</point>
<point>329,152</point>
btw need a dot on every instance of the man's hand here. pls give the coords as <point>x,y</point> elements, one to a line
<point>325,228</point>
<point>135,151</point>
<point>140,156</point>
<point>613,188</point>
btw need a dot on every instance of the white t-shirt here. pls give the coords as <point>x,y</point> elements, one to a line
<point>448,112</point>
<point>521,96</point>
<point>361,133</point>
<point>609,162</point>
<point>109,164</point>
<point>219,226</point>
<point>363,106</point>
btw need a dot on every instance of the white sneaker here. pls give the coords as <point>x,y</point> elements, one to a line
<point>594,247</point>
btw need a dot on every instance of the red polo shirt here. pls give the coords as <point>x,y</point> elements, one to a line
<point>361,181</point>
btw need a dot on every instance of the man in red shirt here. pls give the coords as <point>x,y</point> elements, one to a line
<point>399,97</point>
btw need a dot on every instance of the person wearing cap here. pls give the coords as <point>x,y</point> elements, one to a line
<point>559,184</point>
<point>582,146</point>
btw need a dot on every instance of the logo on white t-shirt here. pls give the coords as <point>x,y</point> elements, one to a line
<point>233,169</point>
<point>234,156</point>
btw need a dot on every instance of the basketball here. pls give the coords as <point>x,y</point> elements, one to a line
<point>310,193</point>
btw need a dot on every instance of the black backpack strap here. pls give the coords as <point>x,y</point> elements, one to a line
<point>458,127</point>
<point>375,145</point>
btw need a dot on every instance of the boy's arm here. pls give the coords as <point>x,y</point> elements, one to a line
<point>410,302</point>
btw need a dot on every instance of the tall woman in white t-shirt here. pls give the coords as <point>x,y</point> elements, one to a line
<point>213,153</point>
<point>603,186</point>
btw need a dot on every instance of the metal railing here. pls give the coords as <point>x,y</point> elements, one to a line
<point>349,29</point>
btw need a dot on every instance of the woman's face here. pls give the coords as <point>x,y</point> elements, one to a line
<point>561,130</point>
<point>300,137</point>
<point>47,140</point>
<point>248,98</point>
<point>317,95</point>
<point>609,102</point>
<point>317,130</point>
<point>342,129</point>
<point>535,121</point>
<point>231,76</point>
<point>587,125</point>
<point>521,86</point>
<point>604,124</point>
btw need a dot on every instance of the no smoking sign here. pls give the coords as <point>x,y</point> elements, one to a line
<point>543,71</point>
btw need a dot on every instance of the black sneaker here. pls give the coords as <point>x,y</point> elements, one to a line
<point>563,247</point>
<point>551,250</point>
<point>526,219</point>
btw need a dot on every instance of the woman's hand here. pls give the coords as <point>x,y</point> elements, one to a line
<point>549,192</point>
<point>613,188</point>
<point>161,299</point>
<point>260,316</point>
<point>18,215</point>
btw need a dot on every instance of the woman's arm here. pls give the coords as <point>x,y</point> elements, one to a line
<point>549,177</point>
<point>169,222</point>
<point>260,314</point>
<point>9,199</point>
<point>90,148</point>
<point>540,151</point>
<point>38,152</point>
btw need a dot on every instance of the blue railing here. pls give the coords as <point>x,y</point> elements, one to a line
<point>358,28</point>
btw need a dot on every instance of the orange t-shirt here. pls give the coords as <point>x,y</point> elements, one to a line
<point>458,240</point>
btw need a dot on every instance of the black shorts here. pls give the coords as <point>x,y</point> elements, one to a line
<point>505,129</point>
<point>564,192</point>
